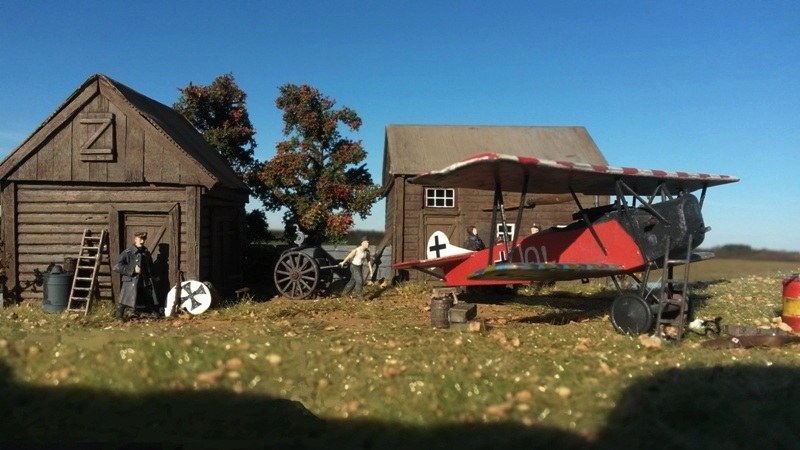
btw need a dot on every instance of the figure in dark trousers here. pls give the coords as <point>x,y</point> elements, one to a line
<point>474,241</point>
<point>359,256</point>
<point>135,266</point>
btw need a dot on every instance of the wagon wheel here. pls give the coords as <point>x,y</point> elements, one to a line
<point>631,314</point>
<point>296,275</point>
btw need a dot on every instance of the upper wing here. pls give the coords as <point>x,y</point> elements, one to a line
<point>511,173</point>
<point>545,271</point>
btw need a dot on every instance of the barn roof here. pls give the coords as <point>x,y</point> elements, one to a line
<point>416,149</point>
<point>165,119</point>
<point>180,131</point>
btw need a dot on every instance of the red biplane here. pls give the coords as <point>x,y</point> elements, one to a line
<point>654,223</point>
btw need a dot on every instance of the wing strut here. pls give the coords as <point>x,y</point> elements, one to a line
<point>498,207</point>
<point>646,205</point>
<point>660,190</point>
<point>518,222</point>
<point>588,222</point>
<point>503,220</point>
<point>498,198</point>
<point>703,195</point>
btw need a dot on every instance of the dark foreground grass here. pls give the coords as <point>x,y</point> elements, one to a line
<point>337,373</point>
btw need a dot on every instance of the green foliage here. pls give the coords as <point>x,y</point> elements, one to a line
<point>257,229</point>
<point>219,112</point>
<point>317,174</point>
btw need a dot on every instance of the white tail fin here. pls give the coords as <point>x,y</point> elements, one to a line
<point>439,246</point>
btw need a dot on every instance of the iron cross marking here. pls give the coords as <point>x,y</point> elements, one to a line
<point>190,295</point>
<point>437,247</point>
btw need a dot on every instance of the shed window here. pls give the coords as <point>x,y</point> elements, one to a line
<point>440,197</point>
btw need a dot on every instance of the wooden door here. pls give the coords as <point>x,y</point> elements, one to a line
<point>163,236</point>
<point>444,223</point>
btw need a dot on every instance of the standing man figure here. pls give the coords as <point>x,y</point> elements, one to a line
<point>359,256</point>
<point>135,266</point>
<point>474,242</point>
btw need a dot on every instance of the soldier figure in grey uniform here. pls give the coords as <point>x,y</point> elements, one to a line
<point>474,242</point>
<point>135,266</point>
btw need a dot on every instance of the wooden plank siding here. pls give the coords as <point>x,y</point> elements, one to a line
<point>472,207</point>
<point>410,150</point>
<point>57,123</point>
<point>193,212</point>
<point>109,154</point>
<point>221,243</point>
<point>8,228</point>
<point>142,154</point>
<point>390,222</point>
<point>51,219</point>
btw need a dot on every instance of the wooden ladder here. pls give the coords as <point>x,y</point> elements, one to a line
<point>84,283</point>
<point>674,292</point>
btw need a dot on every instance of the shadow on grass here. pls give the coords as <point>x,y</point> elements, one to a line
<point>566,307</point>
<point>727,407</point>
<point>48,417</point>
<point>720,407</point>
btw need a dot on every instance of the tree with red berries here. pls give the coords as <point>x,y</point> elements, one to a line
<point>317,174</point>
<point>219,112</point>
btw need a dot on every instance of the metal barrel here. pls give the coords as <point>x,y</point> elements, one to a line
<point>440,308</point>
<point>57,285</point>
<point>791,302</point>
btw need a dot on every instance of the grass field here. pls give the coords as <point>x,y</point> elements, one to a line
<point>548,369</point>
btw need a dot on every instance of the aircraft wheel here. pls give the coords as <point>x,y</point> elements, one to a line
<point>631,314</point>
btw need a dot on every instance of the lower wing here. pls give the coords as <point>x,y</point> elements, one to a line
<point>432,262</point>
<point>545,271</point>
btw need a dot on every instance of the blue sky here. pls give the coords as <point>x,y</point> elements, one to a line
<point>711,86</point>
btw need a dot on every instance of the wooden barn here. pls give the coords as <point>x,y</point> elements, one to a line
<point>414,212</point>
<point>111,158</point>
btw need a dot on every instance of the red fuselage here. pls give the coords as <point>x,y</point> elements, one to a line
<point>572,244</point>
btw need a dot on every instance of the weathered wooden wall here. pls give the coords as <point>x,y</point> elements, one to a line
<point>51,219</point>
<point>222,243</point>
<point>407,215</point>
<point>110,154</point>
<point>140,153</point>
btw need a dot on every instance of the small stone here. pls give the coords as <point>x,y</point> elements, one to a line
<point>234,364</point>
<point>210,377</point>
<point>563,391</point>
<point>650,341</point>
<point>523,396</point>
<point>500,410</point>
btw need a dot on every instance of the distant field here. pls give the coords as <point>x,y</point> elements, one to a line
<point>717,269</point>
